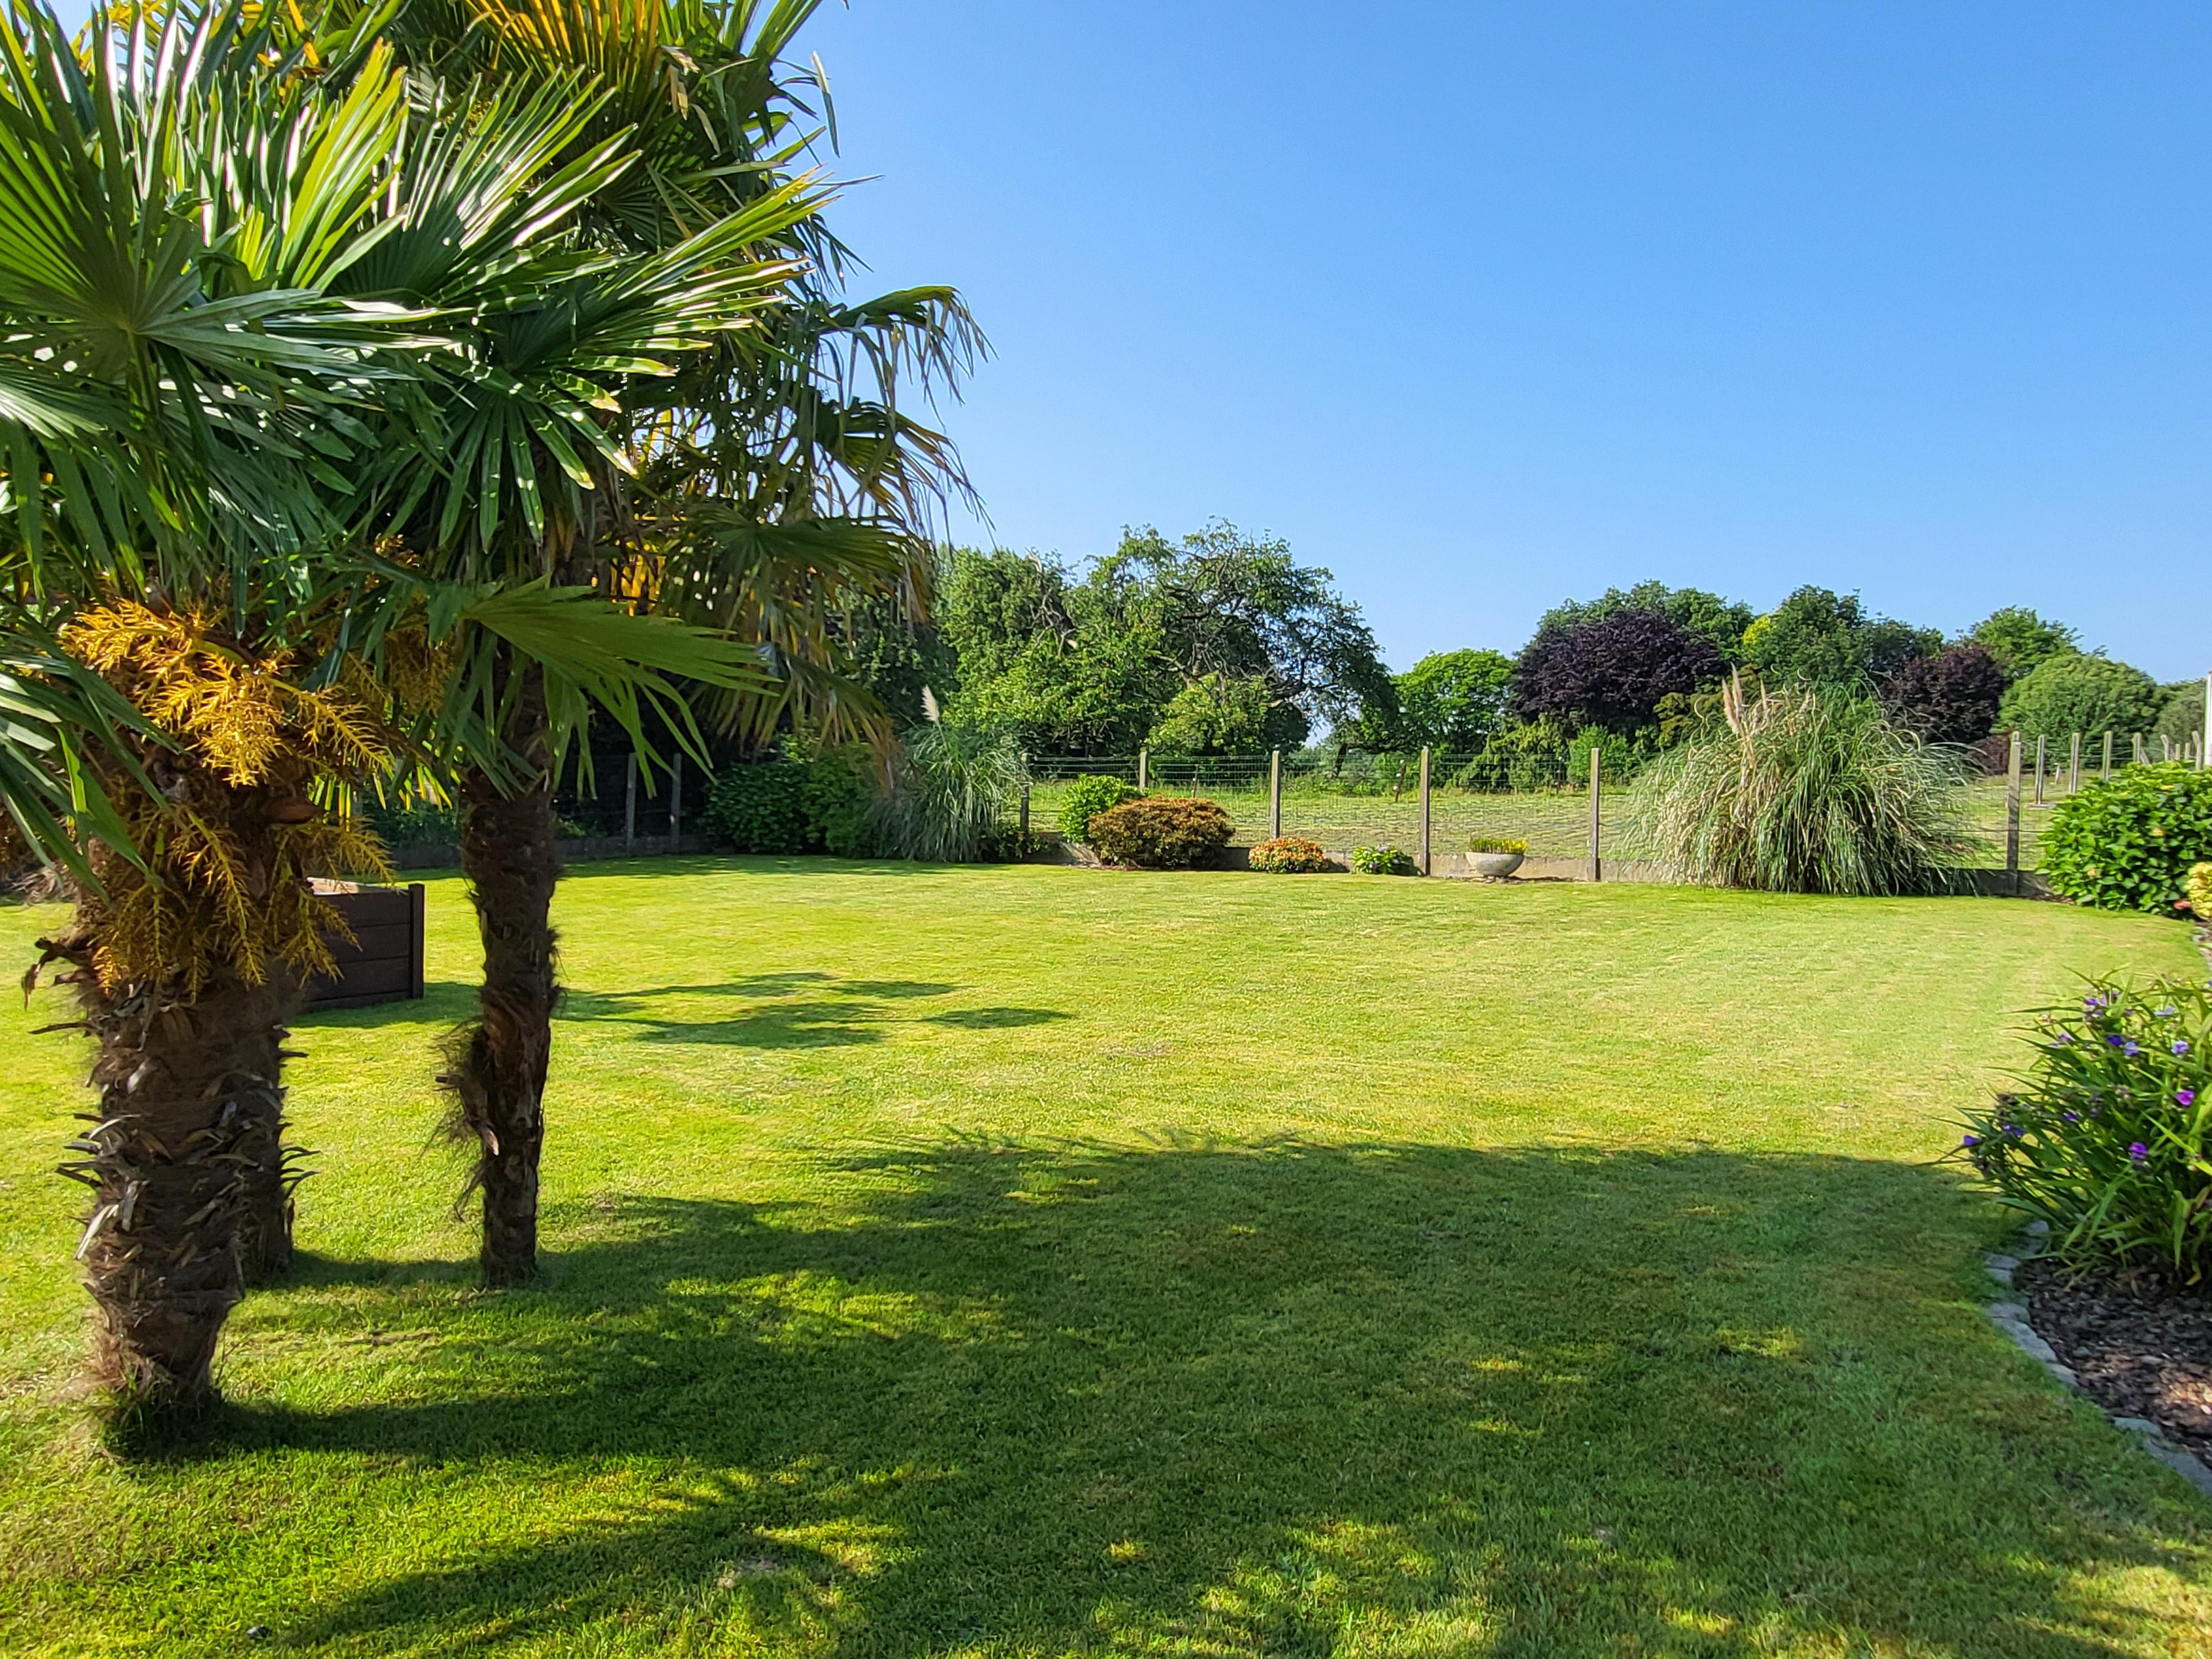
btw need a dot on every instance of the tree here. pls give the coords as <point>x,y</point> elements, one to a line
<point>1612,672</point>
<point>1453,701</point>
<point>1817,637</point>
<point>1088,665</point>
<point>182,389</point>
<point>2022,641</point>
<point>1708,615</point>
<point>2182,717</point>
<point>683,454</point>
<point>2076,693</point>
<point>1950,697</point>
<point>1215,714</point>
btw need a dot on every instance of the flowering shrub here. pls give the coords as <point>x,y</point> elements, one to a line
<point>2200,893</point>
<point>1384,861</point>
<point>2108,1140</point>
<point>2127,844</point>
<point>1496,844</point>
<point>1087,797</point>
<point>1288,855</point>
<point>1161,832</point>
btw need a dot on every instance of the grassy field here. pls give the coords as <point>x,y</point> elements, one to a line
<point>1032,1260</point>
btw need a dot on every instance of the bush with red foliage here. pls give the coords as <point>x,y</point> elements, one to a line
<point>1161,832</point>
<point>1612,672</point>
<point>1950,697</point>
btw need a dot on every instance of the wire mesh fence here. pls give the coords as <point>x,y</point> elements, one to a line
<point>1354,800</point>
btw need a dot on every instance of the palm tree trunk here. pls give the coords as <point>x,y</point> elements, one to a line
<point>189,1110</point>
<point>497,1065</point>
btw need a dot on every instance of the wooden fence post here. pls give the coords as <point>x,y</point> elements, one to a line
<point>1597,786</point>
<point>676,805</point>
<point>1424,809</point>
<point>2040,740</point>
<point>1275,795</point>
<point>2012,816</point>
<point>2108,758</point>
<point>2136,739</point>
<point>2165,746</point>
<point>2074,767</point>
<point>1026,801</point>
<point>629,807</point>
<point>1143,756</point>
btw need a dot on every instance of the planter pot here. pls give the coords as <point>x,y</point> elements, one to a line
<point>1495,866</point>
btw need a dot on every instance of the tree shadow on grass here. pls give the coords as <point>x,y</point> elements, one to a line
<point>770,1013</point>
<point>1253,1399</point>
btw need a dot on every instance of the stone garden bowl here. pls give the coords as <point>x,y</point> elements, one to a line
<point>1495,866</point>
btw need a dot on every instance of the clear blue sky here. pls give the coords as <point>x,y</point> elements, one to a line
<point>1482,305</point>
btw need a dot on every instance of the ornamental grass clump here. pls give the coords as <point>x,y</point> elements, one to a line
<point>952,788</point>
<point>1807,791</point>
<point>1162,832</point>
<point>2106,1139</point>
<point>1288,855</point>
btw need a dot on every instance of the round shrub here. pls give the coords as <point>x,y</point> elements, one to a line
<point>1161,832</point>
<point>1087,797</point>
<point>1384,861</point>
<point>2108,1140</point>
<point>2082,693</point>
<point>1950,697</point>
<point>1288,855</point>
<point>2127,844</point>
<point>760,808</point>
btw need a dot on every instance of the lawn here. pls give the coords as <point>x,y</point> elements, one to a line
<point>1027,1261</point>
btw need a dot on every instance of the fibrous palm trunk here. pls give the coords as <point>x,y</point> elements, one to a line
<point>496,1067</point>
<point>185,1161</point>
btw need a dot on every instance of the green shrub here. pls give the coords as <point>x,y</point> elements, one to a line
<point>2127,843</point>
<point>759,807</point>
<point>1288,855</point>
<point>2108,1139</point>
<point>1384,861</point>
<point>839,796</point>
<point>415,824</point>
<point>1807,791</point>
<point>1496,844</point>
<point>2076,693</point>
<point>1162,832</point>
<point>1087,797</point>
<point>953,786</point>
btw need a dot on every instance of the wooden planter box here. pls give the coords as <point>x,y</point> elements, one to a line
<point>384,962</point>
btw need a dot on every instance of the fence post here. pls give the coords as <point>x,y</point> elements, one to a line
<point>2040,740</point>
<point>2165,746</point>
<point>1025,801</point>
<point>1424,809</point>
<point>629,807</point>
<point>676,805</point>
<point>1597,786</point>
<point>2012,816</point>
<point>2074,767</point>
<point>1143,756</point>
<point>2136,741</point>
<point>2108,758</point>
<point>1275,795</point>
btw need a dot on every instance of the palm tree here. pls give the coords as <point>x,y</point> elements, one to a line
<point>191,717</point>
<point>663,434</point>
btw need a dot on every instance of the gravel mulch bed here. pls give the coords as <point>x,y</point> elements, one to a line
<point>2139,1348</point>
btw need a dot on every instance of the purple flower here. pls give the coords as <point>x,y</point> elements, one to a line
<point>2114,1038</point>
<point>2137,1152</point>
<point>2167,1012</point>
<point>2185,1097</point>
<point>1970,1140</point>
<point>2181,1047</point>
<point>2063,1036</point>
<point>2130,1049</point>
<point>2072,1117</point>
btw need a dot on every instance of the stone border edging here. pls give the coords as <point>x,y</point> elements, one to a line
<point>2012,1318</point>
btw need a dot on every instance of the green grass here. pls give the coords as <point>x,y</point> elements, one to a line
<point>1027,1261</point>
